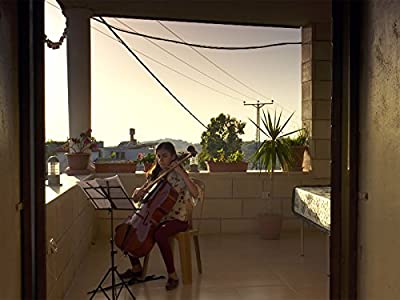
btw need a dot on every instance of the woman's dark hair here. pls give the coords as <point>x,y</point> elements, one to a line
<point>168,146</point>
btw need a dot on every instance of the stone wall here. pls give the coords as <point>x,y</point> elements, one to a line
<point>70,223</point>
<point>316,93</point>
<point>10,252</point>
<point>379,167</point>
<point>232,200</point>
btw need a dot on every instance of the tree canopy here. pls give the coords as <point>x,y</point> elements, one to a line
<point>222,136</point>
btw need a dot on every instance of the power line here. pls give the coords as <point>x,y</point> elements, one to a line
<point>164,65</point>
<point>171,69</point>
<point>283,108</point>
<point>53,5</point>
<point>222,93</point>
<point>210,61</point>
<point>187,64</point>
<point>199,45</point>
<point>151,73</point>
<point>192,46</point>
<point>258,106</point>
<point>219,68</point>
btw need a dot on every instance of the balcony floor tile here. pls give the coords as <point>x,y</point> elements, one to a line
<point>235,266</point>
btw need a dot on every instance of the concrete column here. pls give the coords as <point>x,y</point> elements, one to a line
<point>316,93</point>
<point>79,69</point>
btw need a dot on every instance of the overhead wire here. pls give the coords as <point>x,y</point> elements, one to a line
<point>164,65</point>
<point>124,24</point>
<point>53,5</point>
<point>211,62</point>
<point>210,47</point>
<point>171,69</point>
<point>189,65</point>
<point>221,69</point>
<point>214,64</point>
<point>200,45</point>
<point>151,73</point>
<point>196,69</point>
<point>191,45</point>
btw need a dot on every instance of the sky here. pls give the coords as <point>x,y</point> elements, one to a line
<point>125,96</point>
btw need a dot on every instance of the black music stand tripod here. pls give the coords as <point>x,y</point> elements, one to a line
<point>102,199</point>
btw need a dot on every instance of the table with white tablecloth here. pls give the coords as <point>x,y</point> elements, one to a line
<point>313,205</point>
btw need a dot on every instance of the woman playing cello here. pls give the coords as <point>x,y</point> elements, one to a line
<point>177,219</point>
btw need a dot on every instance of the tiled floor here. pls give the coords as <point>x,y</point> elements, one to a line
<point>234,267</point>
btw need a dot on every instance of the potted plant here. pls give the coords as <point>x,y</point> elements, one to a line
<point>79,150</point>
<point>113,165</point>
<point>273,150</point>
<point>231,163</point>
<point>221,145</point>
<point>147,160</point>
<point>298,146</point>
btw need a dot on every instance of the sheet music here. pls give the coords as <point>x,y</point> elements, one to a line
<point>94,192</point>
<point>116,189</point>
<point>105,190</point>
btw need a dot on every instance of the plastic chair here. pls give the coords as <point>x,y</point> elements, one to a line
<point>184,241</point>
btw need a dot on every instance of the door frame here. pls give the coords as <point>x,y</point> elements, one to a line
<point>346,23</point>
<point>30,14</point>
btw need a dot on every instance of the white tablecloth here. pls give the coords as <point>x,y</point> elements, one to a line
<point>313,203</point>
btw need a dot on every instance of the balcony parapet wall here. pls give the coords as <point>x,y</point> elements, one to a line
<point>70,224</point>
<point>232,200</point>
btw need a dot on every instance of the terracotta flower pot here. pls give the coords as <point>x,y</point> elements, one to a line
<point>226,167</point>
<point>147,166</point>
<point>269,226</point>
<point>297,155</point>
<point>107,167</point>
<point>78,161</point>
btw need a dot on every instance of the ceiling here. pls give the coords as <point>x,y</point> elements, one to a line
<point>284,13</point>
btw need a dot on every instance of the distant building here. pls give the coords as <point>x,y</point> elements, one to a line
<point>127,150</point>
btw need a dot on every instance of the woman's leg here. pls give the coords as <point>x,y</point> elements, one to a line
<point>162,234</point>
<point>136,265</point>
<point>135,270</point>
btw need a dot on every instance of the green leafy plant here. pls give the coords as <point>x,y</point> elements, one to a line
<point>112,159</point>
<point>299,146</point>
<point>221,141</point>
<point>301,139</point>
<point>236,156</point>
<point>272,150</point>
<point>275,148</point>
<point>146,158</point>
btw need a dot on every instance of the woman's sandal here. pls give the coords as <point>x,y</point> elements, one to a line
<point>128,274</point>
<point>172,284</point>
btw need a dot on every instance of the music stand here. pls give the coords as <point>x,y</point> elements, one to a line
<point>108,194</point>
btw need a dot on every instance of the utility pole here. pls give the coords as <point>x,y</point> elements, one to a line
<point>258,106</point>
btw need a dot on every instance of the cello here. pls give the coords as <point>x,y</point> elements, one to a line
<point>135,236</point>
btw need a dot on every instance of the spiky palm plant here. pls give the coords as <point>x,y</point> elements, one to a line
<point>275,148</point>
